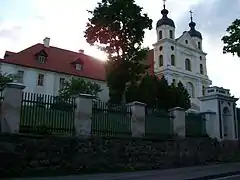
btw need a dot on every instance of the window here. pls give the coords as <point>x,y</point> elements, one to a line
<point>171,34</point>
<point>200,57</point>
<point>61,83</point>
<point>172,47</point>
<point>78,66</point>
<point>161,60</point>
<point>203,90</point>
<point>40,79</point>
<point>190,89</point>
<point>187,65</point>
<point>174,82</point>
<point>199,45</point>
<point>201,69</point>
<point>172,60</point>
<point>20,76</point>
<point>186,41</point>
<point>41,59</point>
<point>160,48</point>
<point>160,35</point>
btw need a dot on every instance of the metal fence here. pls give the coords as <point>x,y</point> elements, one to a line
<point>195,125</point>
<point>111,120</point>
<point>45,114</point>
<point>157,123</point>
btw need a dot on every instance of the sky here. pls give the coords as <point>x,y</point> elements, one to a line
<point>27,22</point>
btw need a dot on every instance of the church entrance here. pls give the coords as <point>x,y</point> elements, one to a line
<point>227,123</point>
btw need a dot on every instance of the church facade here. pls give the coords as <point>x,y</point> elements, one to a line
<point>181,59</point>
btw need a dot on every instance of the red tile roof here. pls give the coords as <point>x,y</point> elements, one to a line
<point>58,60</point>
<point>62,61</point>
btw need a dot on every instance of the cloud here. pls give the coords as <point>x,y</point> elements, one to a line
<point>11,33</point>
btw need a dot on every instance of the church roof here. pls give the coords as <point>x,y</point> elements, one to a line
<point>193,32</point>
<point>165,20</point>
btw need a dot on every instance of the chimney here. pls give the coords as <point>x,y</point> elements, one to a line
<point>81,51</point>
<point>46,41</point>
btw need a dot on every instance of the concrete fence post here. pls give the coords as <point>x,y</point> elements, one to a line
<point>83,114</point>
<point>178,121</point>
<point>137,119</point>
<point>11,108</point>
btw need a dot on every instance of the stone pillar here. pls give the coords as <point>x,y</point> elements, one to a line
<point>11,108</point>
<point>212,124</point>
<point>138,119</point>
<point>178,121</point>
<point>83,115</point>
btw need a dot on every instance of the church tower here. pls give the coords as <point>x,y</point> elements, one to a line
<point>181,59</point>
<point>165,29</point>
<point>196,35</point>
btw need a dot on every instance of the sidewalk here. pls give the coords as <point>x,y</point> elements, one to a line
<point>189,173</point>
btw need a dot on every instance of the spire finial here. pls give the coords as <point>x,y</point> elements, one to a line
<point>191,15</point>
<point>164,4</point>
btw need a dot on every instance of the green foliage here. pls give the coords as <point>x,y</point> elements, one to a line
<point>77,86</point>
<point>182,97</point>
<point>117,27</point>
<point>158,94</point>
<point>4,79</point>
<point>232,41</point>
<point>63,104</point>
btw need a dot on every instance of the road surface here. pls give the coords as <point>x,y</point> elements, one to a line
<point>189,173</point>
<point>234,177</point>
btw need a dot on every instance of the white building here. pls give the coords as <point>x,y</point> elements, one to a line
<point>43,68</point>
<point>181,59</point>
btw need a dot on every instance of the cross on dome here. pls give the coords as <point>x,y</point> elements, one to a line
<point>191,15</point>
<point>164,4</point>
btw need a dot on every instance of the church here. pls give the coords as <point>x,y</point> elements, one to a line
<point>180,59</point>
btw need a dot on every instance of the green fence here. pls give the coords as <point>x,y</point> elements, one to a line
<point>195,125</point>
<point>157,124</point>
<point>111,120</point>
<point>44,114</point>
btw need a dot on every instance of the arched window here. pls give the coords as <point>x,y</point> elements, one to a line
<point>172,60</point>
<point>201,69</point>
<point>161,60</point>
<point>171,34</point>
<point>199,45</point>
<point>190,89</point>
<point>174,82</point>
<point>187,65</point>
<point>203,90</point>
<point>160,35</point>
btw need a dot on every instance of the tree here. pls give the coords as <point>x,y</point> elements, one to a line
<point>117,27</point>
<point>232,41</point>
<point>182,97</point>
<point>5,79</point>
<point>158,94</point>
<point>77,86</point>
<point>148,90</point>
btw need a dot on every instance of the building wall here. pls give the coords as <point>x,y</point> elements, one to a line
<point>51,80</point>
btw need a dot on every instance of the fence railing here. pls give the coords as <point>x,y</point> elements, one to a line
<point>110,120</point>
<point>195,125</point>
<point>157,123</point>
<point>46,114</point>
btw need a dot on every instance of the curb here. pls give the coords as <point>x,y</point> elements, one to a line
<point>209,177</point>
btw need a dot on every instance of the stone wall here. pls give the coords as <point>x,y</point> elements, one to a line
<point>38,155</point>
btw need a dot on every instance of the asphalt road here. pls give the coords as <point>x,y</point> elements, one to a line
<point>235,177</point>
<point>189,173</point>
